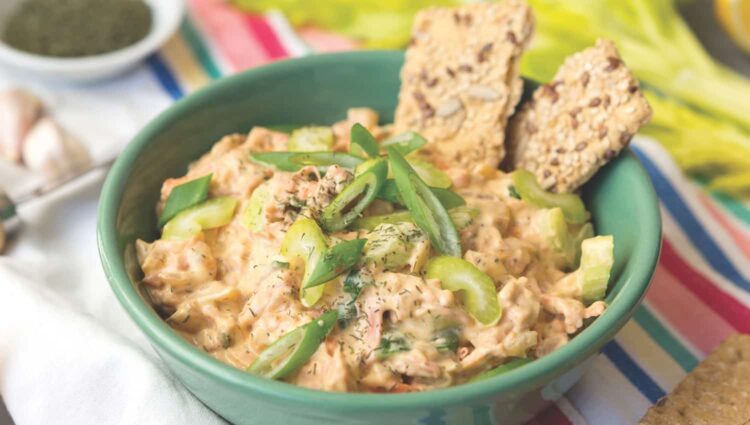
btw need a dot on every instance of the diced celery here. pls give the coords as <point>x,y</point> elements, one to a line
<point>311,139</point>
<point>213,213</point>
<point>463,216</point>
<point>392,246</point>
<point>304,240</point>
<point>571,204</point>
<point>479,293</point>
<point>553,229</point>
<point>597,257</point>
<point>585,232</point>
<point>253,216</point>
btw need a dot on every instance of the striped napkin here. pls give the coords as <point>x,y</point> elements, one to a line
<point>700,291</point>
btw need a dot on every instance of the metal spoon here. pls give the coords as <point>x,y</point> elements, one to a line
<point>9,207</point>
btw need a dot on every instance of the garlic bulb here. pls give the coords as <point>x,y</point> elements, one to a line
<point>49,149</point>
<point>19,110</point>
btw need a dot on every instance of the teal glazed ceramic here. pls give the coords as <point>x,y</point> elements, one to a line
<point>319,89</point>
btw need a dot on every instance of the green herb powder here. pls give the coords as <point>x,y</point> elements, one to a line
<point>74,28</point>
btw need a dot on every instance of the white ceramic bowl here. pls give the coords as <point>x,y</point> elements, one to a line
<point>167,15</point>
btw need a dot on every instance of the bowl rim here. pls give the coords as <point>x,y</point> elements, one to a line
<point>172,12</point>
<point>523,379</point>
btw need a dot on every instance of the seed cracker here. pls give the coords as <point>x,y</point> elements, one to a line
<point>580,121</point>
<point>460,83</point>
<point>717,392</point>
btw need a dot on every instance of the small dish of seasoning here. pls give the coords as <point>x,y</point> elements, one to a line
<point>83,40</point>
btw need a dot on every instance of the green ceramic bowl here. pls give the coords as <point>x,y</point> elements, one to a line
<point>319,89</point>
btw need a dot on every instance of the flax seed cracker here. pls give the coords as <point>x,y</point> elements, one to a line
<point>580,121</point>
<point>717,392</point>
<point>460,84</point>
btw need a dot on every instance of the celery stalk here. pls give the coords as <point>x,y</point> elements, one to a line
<point>597,257</point>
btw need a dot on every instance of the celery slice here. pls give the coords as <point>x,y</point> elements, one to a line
<point>552,227</point>
<point>479,293</point>
<point>571,204</point>
<point>311,139</point>
<point>597,258</point>
<point>253,216</point>
<point>305,240</point>
<point>392,246</point>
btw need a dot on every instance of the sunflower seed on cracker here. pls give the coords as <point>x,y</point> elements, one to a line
<point>460,83</point>
<point>580,121</point>
<point>717,392</point>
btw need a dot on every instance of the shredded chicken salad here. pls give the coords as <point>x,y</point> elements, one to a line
<point>249,271</point>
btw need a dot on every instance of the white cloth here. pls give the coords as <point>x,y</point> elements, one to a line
<point>69,354</point>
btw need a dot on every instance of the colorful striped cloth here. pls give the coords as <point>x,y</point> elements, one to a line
<point>701,290</point>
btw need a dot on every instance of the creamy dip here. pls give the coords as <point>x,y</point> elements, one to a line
<point>230,292</point>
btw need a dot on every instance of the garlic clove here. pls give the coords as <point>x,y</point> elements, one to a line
<point>19,110</point>
<point>52,151</point>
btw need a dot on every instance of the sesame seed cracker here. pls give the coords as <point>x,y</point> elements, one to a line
<point>580,121</point>
<point>715,393</point>
<point>460,83</point>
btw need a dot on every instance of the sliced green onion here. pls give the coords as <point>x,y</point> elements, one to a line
<point>597,257</point>
<point>253,216</point>
<point>294,349</point>
<point>336,261</point>
<point>405,143</point>
<point>358,195</point>
<point>213,213</point>
<point>311,139</point>
<point>361,142</point>
<point>305,240</point>
<point>361,168</point>
<point>503,368</point>
<point>448,198</point>
<point>571,204</point>
<point>429,214</point>
<point>461,216</point>
<point>479,293</point>
<point>185,196</point>
<point>294,161</point>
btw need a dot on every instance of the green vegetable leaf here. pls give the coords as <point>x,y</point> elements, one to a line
<point>447,197</point>
<point>405,143</point>
<point>424,206</point>
<point>295,161</point>
<point>185,196</point>
<point>361,142</point>
<point>335,261</point>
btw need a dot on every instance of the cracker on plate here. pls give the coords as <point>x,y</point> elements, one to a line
<point>578,122</point>
<point>717,392</point>
<point>460,83</point>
